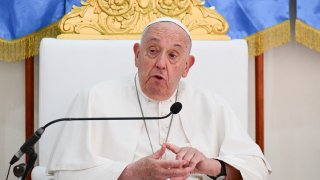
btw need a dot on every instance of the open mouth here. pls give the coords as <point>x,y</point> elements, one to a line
<point>158,77</point>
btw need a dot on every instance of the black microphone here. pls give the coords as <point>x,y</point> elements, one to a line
<point>174,109</point>
<point>29,143</point>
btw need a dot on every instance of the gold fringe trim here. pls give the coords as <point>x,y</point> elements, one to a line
<point>269,38</point>
<point>27,46</point>
<point>307,35</point>
<point>258,43</point>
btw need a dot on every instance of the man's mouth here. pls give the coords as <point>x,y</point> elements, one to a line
<point>158,77</point>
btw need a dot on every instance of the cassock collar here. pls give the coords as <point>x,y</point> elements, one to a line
<point>172,99</point>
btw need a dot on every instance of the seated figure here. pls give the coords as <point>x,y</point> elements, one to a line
<point>203,141</point>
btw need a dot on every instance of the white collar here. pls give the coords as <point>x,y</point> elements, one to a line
<point>172,99</point>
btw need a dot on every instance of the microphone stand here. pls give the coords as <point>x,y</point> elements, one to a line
<point>26,168</point>
<point>31,161</point>
<point>28,146</point>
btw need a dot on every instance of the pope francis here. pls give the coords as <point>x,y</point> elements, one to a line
<point>203,141</point>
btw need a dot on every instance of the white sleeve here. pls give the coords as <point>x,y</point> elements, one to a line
<point>107,172</point>
<point>240,151</point>
<point>73,156</point>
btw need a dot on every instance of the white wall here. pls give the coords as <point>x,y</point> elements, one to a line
<point>12,106</point>
<point>292,111</point>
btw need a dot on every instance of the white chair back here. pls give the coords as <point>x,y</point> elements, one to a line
<point>67,66</point>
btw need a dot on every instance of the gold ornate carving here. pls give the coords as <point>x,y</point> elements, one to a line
<point>125,19</point>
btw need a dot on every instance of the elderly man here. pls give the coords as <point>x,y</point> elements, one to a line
<point>204,141</point>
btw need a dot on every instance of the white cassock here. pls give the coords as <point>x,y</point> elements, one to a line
<point>102,149</point>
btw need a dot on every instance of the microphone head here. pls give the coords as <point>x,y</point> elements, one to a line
<point>176,108</point>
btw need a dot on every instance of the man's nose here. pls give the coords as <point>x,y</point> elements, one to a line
<point>161,61</point>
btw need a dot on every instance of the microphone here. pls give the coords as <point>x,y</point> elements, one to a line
<point>27,145</point>
<point>174,109</point>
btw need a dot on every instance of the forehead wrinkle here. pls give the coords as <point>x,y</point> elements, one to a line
<point>150,39</point>
<point>158,40</point>
<point>153,39</point>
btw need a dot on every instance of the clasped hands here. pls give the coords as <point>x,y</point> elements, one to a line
<point>188,160</point>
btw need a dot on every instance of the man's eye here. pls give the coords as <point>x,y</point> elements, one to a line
<point>173,56</point>
<point>152,50</point>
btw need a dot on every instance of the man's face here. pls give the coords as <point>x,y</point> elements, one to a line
<point>162,59</point>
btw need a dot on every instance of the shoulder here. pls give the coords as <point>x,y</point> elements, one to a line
<point>109,89</point>
<point>119,83</point>
<point>201,100</point>
<point>202,94</point>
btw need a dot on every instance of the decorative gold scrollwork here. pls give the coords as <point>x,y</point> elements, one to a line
<point>125,19</point>
<point>173,7</point>
<point>115,7</point>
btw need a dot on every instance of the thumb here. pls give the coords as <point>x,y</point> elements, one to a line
<point>158,154</point>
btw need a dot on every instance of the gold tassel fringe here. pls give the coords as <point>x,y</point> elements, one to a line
<point>269,38</point>
<point>27,46</point>
<point>307,35</point>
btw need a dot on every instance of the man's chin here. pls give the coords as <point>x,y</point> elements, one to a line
<point>158,97</point>
<point>157,92</point>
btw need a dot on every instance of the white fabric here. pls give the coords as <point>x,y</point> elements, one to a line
<point>39,173</point>
<point>208,122</point>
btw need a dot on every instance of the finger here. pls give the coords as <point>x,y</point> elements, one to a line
<point>180,155</point>
<point>175,149</point>
<point>172,163</point>
<point>158,154</point>
<point>189,155</point>
<point>175,172</point>
<point>194,161</point>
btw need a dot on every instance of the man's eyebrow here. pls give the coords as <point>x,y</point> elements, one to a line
<point>153,39</point>
<point>157,40</point>
<point>178,45</point>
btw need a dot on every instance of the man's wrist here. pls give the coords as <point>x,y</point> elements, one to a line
<point>126,173</point>
<point>220,172</point>
<point>213,167</point>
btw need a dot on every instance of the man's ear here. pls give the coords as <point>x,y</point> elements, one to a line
<point>136,51</point>
<point>189,64</point>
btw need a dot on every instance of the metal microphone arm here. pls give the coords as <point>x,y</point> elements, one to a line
<point>28,146</point>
